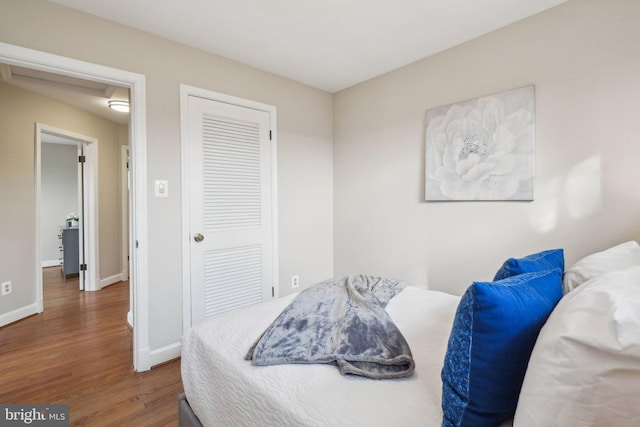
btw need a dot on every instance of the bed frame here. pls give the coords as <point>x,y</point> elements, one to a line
<point>186,416</point>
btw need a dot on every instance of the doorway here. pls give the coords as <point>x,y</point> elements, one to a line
<point>80,223</point>
<point>135,83</point>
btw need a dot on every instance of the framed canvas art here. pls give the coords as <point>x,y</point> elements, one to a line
<point>482,149</point>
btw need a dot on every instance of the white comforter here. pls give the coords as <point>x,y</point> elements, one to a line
<point>225,390</point>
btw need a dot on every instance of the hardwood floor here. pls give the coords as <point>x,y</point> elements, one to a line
<point>79,352</point>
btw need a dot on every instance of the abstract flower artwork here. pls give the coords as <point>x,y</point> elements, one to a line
<point>482,149</point>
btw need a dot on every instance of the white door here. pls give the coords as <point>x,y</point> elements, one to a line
<point>81,216</point>
<point>230,197</point>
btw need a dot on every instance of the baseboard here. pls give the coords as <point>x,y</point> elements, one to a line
<point>124,276</point>
<point>51,263</point>
<point>110,280</point>
<point>19,314</point>
<point>130,318</point>
<point>165,354</point>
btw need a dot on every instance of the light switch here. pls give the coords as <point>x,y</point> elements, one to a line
<point>161,188</point>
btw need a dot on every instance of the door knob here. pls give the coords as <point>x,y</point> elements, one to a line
<point>198,237</point>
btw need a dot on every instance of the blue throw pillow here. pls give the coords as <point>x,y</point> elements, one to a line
<point>541,261</point>
<point>494,331</point>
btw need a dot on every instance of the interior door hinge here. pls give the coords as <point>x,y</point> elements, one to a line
<point>83,267</point>
<point>81,159</point>
<point>273,291</point>
<point>270,136</point>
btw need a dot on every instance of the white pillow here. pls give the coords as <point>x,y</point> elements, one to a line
<point>585,366</point>
<point>618,257</point>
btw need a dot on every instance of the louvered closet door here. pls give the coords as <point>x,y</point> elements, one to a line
<point>230,194</point>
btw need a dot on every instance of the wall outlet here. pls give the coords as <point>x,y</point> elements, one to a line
<point>295,281</point>
<point>6,288</point>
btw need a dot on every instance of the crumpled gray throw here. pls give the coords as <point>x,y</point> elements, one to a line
<point>340,321</point>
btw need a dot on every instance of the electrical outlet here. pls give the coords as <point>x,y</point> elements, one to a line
<point>295,281</point>
<point>6,288</point>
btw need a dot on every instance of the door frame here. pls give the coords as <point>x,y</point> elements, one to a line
<point>187,91</point>
<point>126,220</point>
<point>136,83</point>
<point>88,222</point>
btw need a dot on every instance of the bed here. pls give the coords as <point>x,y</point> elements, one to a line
<point>601,291</point>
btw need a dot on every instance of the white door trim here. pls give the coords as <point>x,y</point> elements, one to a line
<point>124,188</point>
<point>125,241</point>
<point>89,222</point>
<point>16,55</point>
<point>185,92</point>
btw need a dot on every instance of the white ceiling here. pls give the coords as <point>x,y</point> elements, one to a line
<point>327,44</point>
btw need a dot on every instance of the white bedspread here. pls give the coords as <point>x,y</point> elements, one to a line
<point>225,390</point>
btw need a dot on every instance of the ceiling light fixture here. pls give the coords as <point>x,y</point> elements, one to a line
<point>122,106</point>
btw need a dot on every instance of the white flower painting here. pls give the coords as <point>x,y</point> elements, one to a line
<point>482,149</point>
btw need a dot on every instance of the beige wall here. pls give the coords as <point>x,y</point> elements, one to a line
<point>584,59</point>
<point>20,110</point>
<point>305,125</point>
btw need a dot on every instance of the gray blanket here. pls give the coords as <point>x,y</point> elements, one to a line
<point>341,321</point>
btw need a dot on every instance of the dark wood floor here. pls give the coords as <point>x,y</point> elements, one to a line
<point>79,352</point>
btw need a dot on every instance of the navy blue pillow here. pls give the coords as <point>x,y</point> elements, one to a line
<point>494,331</point>
<point>541,261</point>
